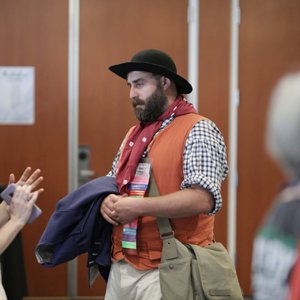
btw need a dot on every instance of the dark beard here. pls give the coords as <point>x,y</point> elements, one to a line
<point>155,105</point>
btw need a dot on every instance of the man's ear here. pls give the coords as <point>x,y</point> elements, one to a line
<point>165,82</point>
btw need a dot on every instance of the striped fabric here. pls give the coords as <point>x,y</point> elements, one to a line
<point>136,189</point>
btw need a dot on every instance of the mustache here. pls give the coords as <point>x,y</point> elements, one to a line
<point>137,101</point>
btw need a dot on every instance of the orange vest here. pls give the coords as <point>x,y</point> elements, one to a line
<point>166,156</point>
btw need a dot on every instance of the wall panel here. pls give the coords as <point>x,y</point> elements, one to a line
<point>269,47</point>
<point>35,33</point>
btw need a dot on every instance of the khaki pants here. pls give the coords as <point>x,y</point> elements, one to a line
<point>127,283</point>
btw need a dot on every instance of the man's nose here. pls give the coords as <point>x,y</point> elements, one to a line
<point>132,93</point>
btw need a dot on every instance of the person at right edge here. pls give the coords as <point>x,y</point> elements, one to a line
<point>276,250</point>
<point>187,158</point>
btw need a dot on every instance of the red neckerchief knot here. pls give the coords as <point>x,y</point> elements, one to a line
<point>139,139</point>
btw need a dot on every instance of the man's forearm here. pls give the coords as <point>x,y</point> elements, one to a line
<point>188,202</point>
<point>184,203</point>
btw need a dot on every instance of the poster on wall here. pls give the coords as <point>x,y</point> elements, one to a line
<point>17,95</point>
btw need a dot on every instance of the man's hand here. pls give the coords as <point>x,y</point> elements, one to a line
<point>107,208</point>
<point>125,210</point>
<point>117,209</point>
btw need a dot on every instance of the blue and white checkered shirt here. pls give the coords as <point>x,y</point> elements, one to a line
<point>204,159</point>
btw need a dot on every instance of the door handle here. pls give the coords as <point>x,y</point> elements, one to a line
<point>85,174</point>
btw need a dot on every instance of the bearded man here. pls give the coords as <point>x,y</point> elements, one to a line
<point>183,152</point>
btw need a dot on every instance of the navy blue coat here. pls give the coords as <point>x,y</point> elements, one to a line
<point>77,227</point>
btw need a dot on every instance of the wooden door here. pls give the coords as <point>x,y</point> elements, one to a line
<point>214,35</point>
<point>269,47</point>
<point>110,33</point>
<point>35,33</point>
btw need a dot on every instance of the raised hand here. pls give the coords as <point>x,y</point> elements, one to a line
<point>26,179</point>
<point>21,204</point>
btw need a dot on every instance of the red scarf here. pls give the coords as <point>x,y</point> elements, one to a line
<point>139,139</point>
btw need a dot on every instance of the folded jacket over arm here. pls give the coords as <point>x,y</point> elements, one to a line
<point>77,227</point>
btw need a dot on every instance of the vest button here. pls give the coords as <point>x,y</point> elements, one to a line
<point>171,267</point>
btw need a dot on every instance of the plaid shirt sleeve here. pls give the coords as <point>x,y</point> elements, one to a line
<point>204,160</point>
<point>113,171</point>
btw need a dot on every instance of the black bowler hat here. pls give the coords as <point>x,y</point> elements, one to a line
<point>153,61</point>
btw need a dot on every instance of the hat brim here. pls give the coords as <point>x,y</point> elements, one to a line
<point>182,85</point>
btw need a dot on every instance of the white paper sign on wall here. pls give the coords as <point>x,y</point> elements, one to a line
<point>17,96</point>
